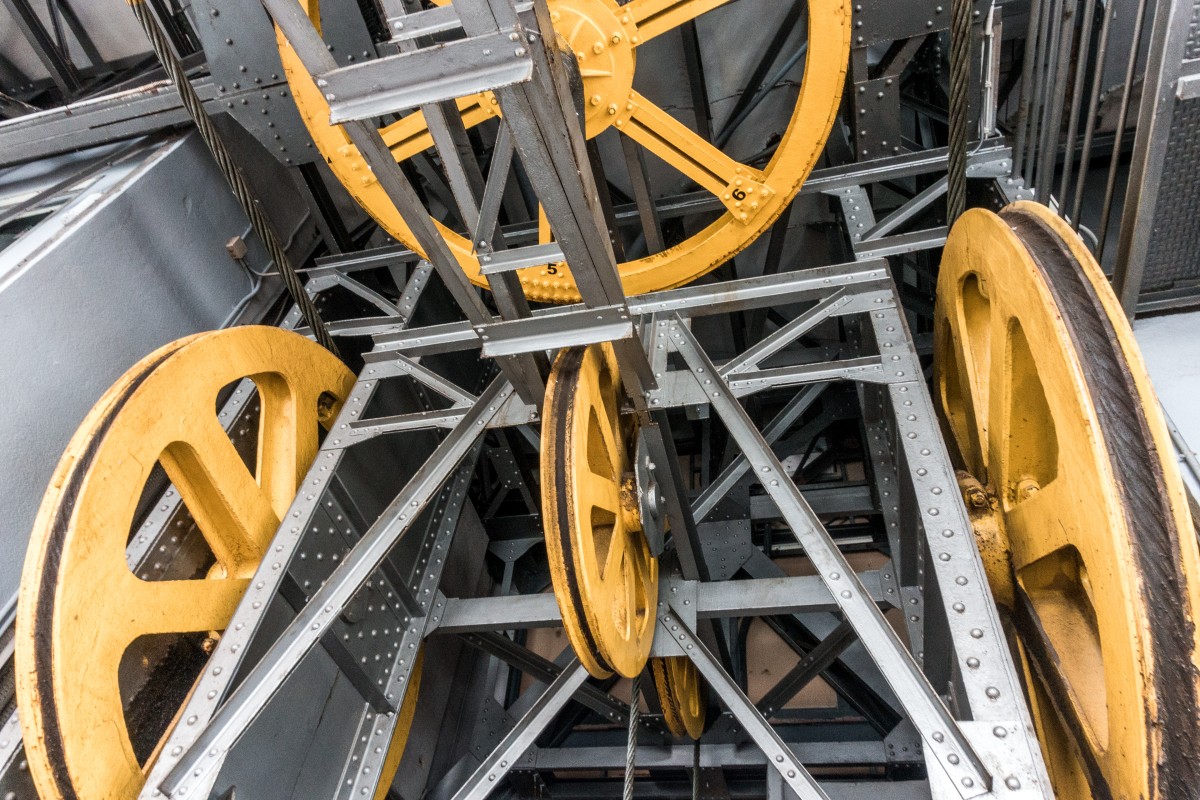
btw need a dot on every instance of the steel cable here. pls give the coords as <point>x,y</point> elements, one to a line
<point>1089,128</point>
<point>635,699</point>
<point>1122,120</point>
<point>1027,67</point>
<point>696,770</point>
<point>241,189</point>
<point>960,75</point>
<point>1081,58</point>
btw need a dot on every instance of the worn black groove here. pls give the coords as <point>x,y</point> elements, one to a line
<point>566,385</point>
<point>1138,472</point>
<point>668,693</point>
<point>44,613</point>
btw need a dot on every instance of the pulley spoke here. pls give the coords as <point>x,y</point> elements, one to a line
<point>151,607</point>
<point>409,135</point>
<point>741,189</point>
<point>600,490</point>
<point>615,558</point>
<point>287,441</point>
<point>230,508</point>
<point>1047,517</point>
<point>656,17</point>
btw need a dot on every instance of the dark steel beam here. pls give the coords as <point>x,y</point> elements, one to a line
<point>79,31</point>
<point>56,62</point>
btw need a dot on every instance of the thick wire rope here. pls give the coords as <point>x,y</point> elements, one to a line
<point>241,189</point>
<point>1122,120</point>
<point>960,77</point>
<point>635,699</point>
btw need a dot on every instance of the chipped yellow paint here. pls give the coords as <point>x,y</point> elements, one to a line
<point>604,37</point>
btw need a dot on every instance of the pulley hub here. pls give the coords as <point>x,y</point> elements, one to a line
<point>603,41</point>
<point>651,510</point>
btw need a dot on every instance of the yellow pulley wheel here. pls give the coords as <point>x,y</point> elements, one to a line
<point>81,606</point>
<point>681,695</point>
<point>604,577</point>
<point>605,37</point>
<point>1048,401</point>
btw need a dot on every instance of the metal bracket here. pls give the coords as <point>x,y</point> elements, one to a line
<point>429,75</point>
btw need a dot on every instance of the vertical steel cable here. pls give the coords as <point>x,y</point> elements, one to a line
<point>1039,91</point>
<point>1111,185</point>
<point>1023,108</point>
<point>1085,42</point>
<point>241,189</point>
<point>1037,165</point>
<point>1059,62</point>
<point>1089,125</point>
<point>960,78</point>
<point>635,699</point>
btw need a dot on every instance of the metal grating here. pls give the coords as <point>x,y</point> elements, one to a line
<point>1174,253</point>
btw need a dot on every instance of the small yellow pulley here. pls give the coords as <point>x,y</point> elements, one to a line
<point>81,606</point>
<point>604,36</point>
<point>604,576</point>
<point>681,694</point>
<point>1079,507</point>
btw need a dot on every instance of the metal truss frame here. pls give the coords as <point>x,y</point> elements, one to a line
<point>987,742</point>
<point>964,760</point>
<point>1171,78</point>
<point>954,683</point>
<point>873,237</point>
